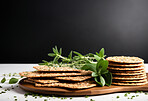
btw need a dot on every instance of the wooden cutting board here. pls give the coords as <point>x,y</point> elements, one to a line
<point>91,91</point>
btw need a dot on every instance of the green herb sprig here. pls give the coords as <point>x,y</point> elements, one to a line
<point>100,73</point>
<point>93,62</point>
<point>77,61</point>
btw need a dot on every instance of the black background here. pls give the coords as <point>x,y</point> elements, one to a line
<point>30,28</point>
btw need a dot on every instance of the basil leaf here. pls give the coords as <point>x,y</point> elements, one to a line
<point>94,74</point>
<point>3,80</point>
<point>91,67</point>
<point>102,81</point>
<point>13,80</point>
<point>97,57</point>
<point>104,65</point>
<point>108,78</point>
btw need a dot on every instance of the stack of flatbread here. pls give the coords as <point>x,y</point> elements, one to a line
<point>127,70</point>
<point>64,77</point>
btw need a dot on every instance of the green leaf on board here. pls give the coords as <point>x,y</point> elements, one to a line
<point>13,81</point>
<point>3,80</point>
<point>108,78</point>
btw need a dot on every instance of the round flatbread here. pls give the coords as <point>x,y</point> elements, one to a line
<point>130,77</point>
<point>124,59</point>
<point>140,80</point>
<point>128,73</point>
<point>129,84</point>
<point>125,65</point>
<point>130,68</point>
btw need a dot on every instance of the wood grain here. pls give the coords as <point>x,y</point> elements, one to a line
<point>91,91</point>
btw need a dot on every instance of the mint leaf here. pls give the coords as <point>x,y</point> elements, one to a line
<point>94,74</point>
<point>96,79</point>
<point>102,81</point>
<point>101,53</point>
<point>3,80</point>
<point>104,65</point>
<point>98,66</point>
<point>97,57</point>
<point>108,78</point>
<point>91,67</point>
<point>13,80</point>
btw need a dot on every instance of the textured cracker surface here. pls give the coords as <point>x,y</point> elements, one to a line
<point>42,81</point>
<point>132,68</point>
<point>43,74</point>
<point>79,85</point>
<point>125,59</point>
<point>129,77</point>
<point>130,84</point>
<point>46,68</point>
<point>140,80</point>
<point>128,73</point>
<point>77,78</point>
<point>125,65</point>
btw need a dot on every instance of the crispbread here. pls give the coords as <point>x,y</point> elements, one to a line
<point>78,85</point>
<point>51,69</point>
<point>42,80</point>
<point>131,77</point>
<point>29,81</point>
<point>128,73</point>
<point>76,78</point>
<point>125,65</point>
<point>140,80</point>
<point>125,59</point>
<point>129,84</point>
<point>45,74</point>
<point>131,68</point>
